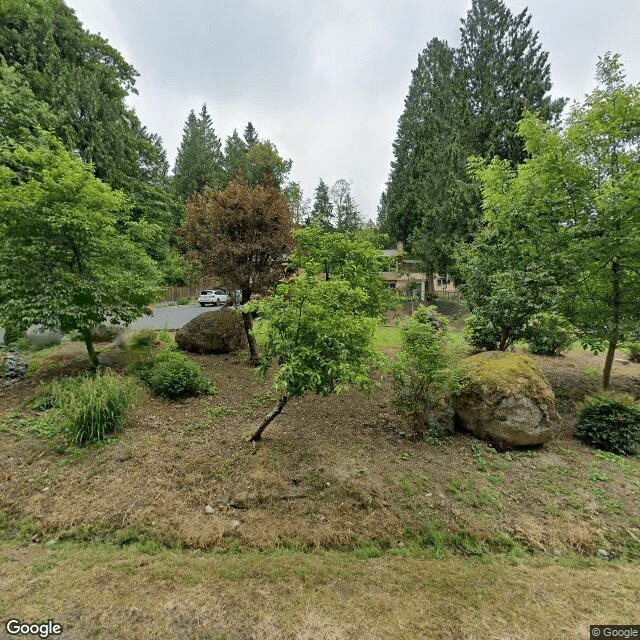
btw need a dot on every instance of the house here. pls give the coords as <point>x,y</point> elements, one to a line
<point>412,282</point>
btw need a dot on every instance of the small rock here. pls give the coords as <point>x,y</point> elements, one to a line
<point>401,544</point>
<point>208,509</point>
<point>327,484</point>
<point>235,523</point>
<point>602,553</point>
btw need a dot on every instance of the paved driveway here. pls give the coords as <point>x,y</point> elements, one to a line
<point>171,317</point>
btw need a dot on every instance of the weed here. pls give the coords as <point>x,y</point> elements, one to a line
<point>217,412</point>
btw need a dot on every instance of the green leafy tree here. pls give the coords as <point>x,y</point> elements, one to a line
<point>242,236</point>
<point>65,262</point>
<point>263,164</point>
<point>199,160</point>
<point>428,370</point>
<point>571,212</point>
<point>86,82</point>
<point>322,211</point>
<point>353,257</point>
<point>318,337</point>
<point>345,209</point>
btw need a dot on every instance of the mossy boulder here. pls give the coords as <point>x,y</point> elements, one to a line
<point>508,401</point>
<point>213,332</point>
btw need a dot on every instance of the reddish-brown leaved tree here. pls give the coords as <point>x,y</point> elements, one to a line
<point>241,236</point>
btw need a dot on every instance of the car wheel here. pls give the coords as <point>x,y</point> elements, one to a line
<point>202,304</point>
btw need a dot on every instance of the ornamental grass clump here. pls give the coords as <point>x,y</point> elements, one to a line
<point>428,370</point>
<point>92,408</point>
<point>610,422</point>
<point>171,375</point>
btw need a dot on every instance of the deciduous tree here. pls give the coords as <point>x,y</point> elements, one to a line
<point>316,333</point>
<point>66,259</point>
<point>242,236</point>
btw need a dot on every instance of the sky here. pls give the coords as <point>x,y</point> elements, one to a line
<point>325,81</point>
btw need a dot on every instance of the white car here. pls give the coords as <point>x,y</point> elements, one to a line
<point>211,296</point>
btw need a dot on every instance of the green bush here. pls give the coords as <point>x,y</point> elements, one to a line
<point>610,422</point>
<point>183,301</point>
<point>481,333</point>
<point>90,408</point>
<point>549,334</point>
<point>634,351</point>
<point>428,369</point>
<point>170,375</point>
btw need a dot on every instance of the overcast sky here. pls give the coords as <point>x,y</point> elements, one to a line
<point>325,80</point>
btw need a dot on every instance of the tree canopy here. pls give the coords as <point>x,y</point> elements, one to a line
<point>569,217</point>
<point>67,261</point>
<point>242,236</point>
<point>199,160</point>
<point>461,102</point>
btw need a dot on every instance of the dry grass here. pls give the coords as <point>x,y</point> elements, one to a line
<point>339,525</point>
<point>98,591</point>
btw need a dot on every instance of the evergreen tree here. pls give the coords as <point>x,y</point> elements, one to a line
<point>460,103</point>
<point>346,211</point>
<point>250,135</point>
<point>322,210</point>
<point>235,149</point>
<point>199,160</point>
<point>85,81</point>
<point>506,72</point>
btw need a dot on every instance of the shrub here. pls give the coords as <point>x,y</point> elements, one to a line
<point>610,422</point>
<point>170,375</point>
<point>91,408</point>
<point>427,371</point>
<point>634,351</point>
<point>548,334</point>
<point>481,333</point>
<point>183,301</point>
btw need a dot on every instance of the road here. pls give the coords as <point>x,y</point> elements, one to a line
<point>164,316</point>
<point>171,317</point>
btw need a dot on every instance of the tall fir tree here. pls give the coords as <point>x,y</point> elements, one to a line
<point>322,210</point>
<point>506,71</point>
<point>461,102</point>
<point>85,81</point>
<point>235,150</point>
<point>199,160</point>
<point>250,135</point>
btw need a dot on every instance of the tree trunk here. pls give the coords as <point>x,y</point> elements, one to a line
<point>93,356</point>
<point>506,332</point>
<point>248,326</point>
<point>615,333</point>
<point>257,436</point>
<point>253,347</point>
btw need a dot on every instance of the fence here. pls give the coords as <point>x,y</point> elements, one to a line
<point>175,293</point>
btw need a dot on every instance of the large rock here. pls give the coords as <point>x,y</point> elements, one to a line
<point>213,332</point>
<point>509,402</point>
